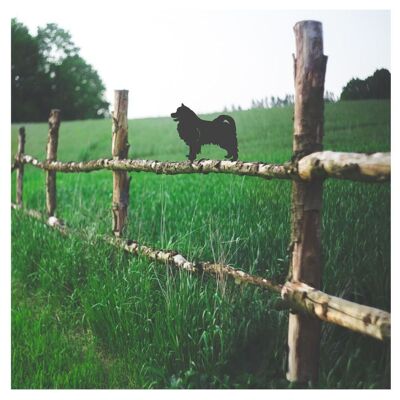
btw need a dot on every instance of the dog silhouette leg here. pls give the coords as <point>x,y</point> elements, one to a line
<point>193,151</point>
<point>232,154</point>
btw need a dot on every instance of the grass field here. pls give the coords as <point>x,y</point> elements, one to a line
<point>84,315</point>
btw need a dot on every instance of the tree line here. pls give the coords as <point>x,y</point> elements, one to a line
<point>276,101</point>
<point>48,72</point>
<point>376,86</point>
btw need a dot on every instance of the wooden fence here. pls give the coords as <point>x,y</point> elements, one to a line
<point>307,169</point>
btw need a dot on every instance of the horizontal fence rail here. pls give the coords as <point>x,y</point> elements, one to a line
<point>297,296</point>
<point>355,166</point>
<point>326,164</point>
<point>263,170</point>
<point>356,317</point>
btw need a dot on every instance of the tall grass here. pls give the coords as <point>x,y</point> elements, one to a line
<point>85,315</point>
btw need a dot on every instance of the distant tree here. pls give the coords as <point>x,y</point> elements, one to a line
<point>376,86</point>
<point>329,97</point>
<point>289,98</point>
<point>356,89</point>
<point>279,102</point>
<point>48,72</point>
<point>273,102</point>
<point>379,84</point>
<point>25,61</point>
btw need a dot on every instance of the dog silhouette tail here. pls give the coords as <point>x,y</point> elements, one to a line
<point>227,119</point>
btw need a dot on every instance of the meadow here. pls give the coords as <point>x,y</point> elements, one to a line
<point>85,315</point>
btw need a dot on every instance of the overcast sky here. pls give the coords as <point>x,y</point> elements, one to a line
<point>211,59</point>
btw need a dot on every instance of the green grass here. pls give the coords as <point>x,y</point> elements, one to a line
<point>84,315</point>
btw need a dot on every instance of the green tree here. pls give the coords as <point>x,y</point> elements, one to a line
<point>379,84</point>
<point>55,44</point>
<point>25,60</point>
<point>74,79</point>
<point>376,86</point>
<point>48,72</point>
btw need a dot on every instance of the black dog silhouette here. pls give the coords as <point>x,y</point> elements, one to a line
<point>195,132</point>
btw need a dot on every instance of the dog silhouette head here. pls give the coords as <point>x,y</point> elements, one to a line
<point>181,112</point>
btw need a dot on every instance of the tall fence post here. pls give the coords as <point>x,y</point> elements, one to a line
<point>309,65</point>
<point>20,168</point>
<point>52,144</point>
<point>120,147</point>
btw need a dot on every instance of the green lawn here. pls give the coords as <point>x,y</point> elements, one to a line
<point>84,315</point>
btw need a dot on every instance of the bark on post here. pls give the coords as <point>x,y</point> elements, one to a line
<point>120,147</point>
<point>51,150</point>
<point>309,65</point>
<point>20,168</point>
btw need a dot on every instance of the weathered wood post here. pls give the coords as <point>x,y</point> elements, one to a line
<point>120,147</point>
<point>20,168</point>
<point>309,66</point>
<point>51,150</point>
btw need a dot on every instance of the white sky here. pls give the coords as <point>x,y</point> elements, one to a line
<point>209,59</point>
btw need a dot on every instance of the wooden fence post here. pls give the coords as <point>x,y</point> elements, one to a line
<point>309,65</point>
<point>52,144</point>
<point>120,147</point>
<point>20,168</point>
